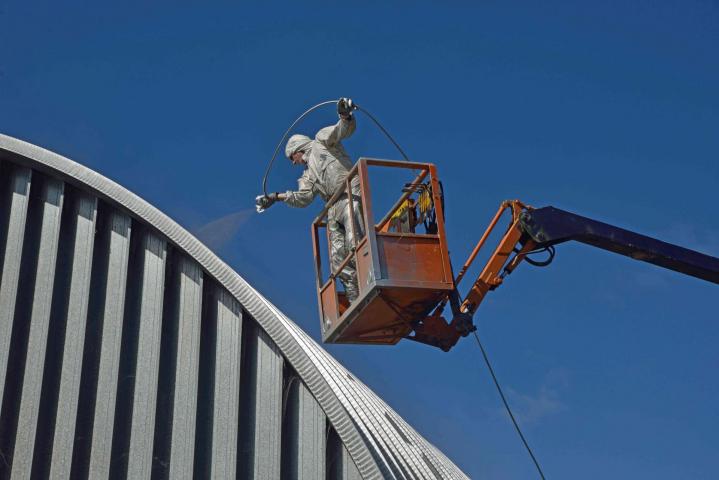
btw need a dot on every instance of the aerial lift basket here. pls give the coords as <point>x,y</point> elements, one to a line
<point>402,262</point>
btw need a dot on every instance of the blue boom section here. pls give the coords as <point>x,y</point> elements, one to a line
<point>549,226</point>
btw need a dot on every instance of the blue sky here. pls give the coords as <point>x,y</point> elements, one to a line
<point>608,109</point>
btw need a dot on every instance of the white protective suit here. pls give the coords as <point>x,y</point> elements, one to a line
<point>326,173</point>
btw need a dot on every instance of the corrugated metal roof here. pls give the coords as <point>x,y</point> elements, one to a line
<point>380,443</point>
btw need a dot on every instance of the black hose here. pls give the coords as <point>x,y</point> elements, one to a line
<point>384,131</point>
<point>541,263</point>
<point>277,149</point>
<point>284,137</point>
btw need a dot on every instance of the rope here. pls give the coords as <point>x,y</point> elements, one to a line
<point>506,405</point>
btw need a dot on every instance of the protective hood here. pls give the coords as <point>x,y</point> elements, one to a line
<point>295,143</point>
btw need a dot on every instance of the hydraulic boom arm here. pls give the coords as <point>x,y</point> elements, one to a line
<point>550,226</point>
<point>542,228</point>
<point>532,230</point>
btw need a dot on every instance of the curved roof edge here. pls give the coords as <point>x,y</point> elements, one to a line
<point>380,442</point>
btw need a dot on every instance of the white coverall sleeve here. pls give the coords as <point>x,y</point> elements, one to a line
<point>331,135</point>
<point>304,195</point>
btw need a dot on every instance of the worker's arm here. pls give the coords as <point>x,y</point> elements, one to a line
<point>330,136</point>
<point>304,195</point>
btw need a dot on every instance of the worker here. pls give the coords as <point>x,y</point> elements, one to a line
<point>326,166</point>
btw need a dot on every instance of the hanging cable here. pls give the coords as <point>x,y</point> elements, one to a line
<point>506,405</point>
<point>311,109</point>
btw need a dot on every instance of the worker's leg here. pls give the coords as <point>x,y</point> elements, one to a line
<point>358,223</point>
<point>338,252</point>
<point>351,233</point>
<point>341,243</point>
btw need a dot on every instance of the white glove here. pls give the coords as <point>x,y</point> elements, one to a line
<point>263,202</point>
<point>345,107</point>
